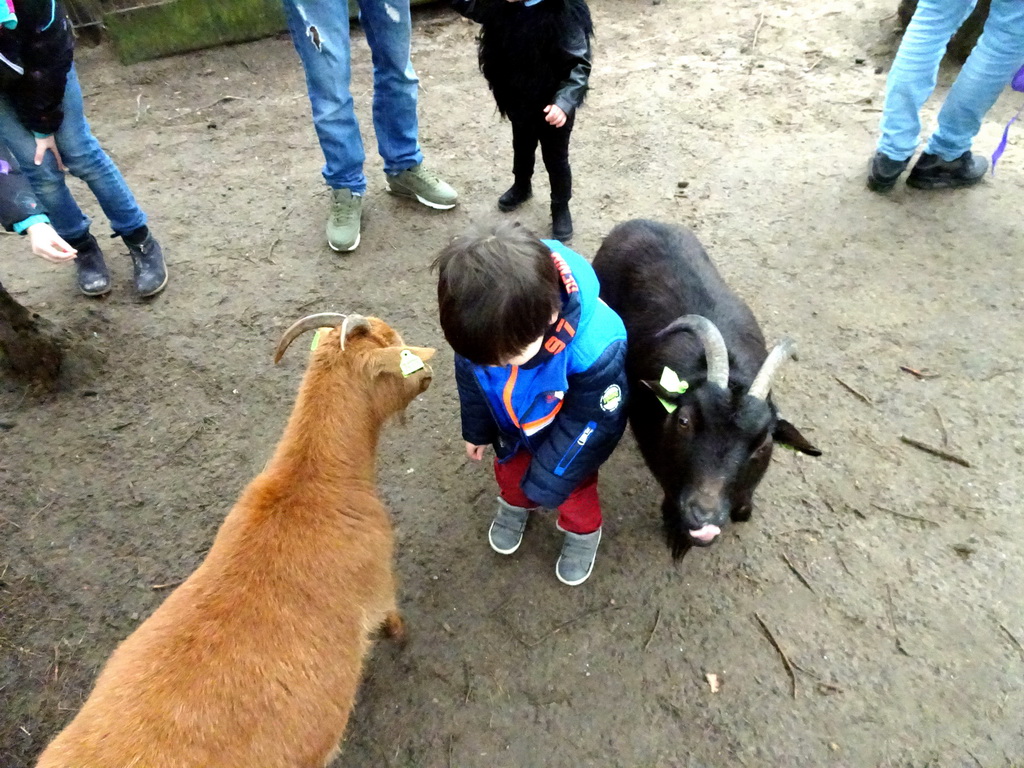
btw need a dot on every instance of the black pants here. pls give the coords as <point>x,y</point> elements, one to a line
<point>529,129</point>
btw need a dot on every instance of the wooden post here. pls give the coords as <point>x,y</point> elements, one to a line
<point>28,343</point>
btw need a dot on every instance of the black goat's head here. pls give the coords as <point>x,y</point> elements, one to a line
<point>716,440</point>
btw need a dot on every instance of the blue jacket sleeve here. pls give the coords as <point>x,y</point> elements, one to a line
<point>584,433</point>
<point>478,425</point>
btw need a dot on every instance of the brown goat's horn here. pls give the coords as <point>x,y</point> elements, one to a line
<point>308,323</point>
<point>353,323</point>
<point>763,381</point>
<point>714,345</point>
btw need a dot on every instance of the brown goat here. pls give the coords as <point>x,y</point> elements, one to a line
<point>254,661</point>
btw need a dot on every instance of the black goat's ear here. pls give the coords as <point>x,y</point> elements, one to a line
<point>788,435</point>
<point>668,399</point>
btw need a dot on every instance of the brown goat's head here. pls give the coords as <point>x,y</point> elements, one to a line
<point>385,369</point>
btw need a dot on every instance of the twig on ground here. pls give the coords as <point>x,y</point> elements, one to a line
<point>197,110</point>
<point>451,748</point>
<point>273,245</point>
<point>168,584</point>
<point>892,620</point>
<point>188,439</point>
<point>921,374</point>
<point>904,515</point>
<point>936,451</point>
<point>775,643</point>
<point>1001,372</point>
<point>796,571</point>
<point>657,620</point>
<point>842,561</point>
<point>37,514</point>
<point>942,426</point>
<point>1013,639</point>
<point>757,31</point>
<point>855,392</point>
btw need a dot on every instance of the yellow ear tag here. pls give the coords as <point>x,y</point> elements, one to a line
<point>316,338</point>
<point>410,363</point>
<point>671,382</point>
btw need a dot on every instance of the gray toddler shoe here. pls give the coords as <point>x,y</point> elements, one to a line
<point>579,550</point>
<point>506,533</point>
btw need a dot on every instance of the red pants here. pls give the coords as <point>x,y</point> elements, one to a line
<point>580,513</point>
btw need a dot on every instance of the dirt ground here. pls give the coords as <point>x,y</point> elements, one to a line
<point>890,578</point>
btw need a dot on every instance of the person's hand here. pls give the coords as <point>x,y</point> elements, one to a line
<point>48,244</point>
<point>475,452</point>
<point>48,144</point>
<point>554,115</point>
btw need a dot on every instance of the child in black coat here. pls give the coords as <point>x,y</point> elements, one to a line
<point>535,55</point>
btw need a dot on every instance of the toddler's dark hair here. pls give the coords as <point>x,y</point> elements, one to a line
<point>497,288</point>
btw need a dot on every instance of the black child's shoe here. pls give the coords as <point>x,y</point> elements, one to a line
<point>932,172</point>
<point>148,261</point>
<point>514,196</point>
<point>93,277</point>
<point>884,172</point>
<point>561,222</point>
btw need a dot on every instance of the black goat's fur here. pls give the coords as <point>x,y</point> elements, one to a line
<point>709,454</point>
<point>520,52</point>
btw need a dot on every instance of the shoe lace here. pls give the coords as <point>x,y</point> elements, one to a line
<point>426,176</point>
<point>344,211</point>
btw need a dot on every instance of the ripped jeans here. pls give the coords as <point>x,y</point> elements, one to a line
<point>320,33</point>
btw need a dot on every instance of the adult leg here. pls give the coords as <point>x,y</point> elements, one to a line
<point>914,71</point>
<point>320,34</point>
<point>388,28</point>
<point>998,54</point>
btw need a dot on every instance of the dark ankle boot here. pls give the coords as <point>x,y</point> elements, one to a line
<point>148,261</point>
<point>561,221</point>
<point>515,196</point>
<point>93,277</point>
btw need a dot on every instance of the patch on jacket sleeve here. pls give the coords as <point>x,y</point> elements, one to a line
<point>611,398</point>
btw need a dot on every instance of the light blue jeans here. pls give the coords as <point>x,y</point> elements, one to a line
<point>84,158</point>
<point>994,60</point>
<point>320,32</point>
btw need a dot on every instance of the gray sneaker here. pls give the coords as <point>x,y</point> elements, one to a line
<point>344,220</point>
<point>579,550</point>
<point>423,185</point>
<point>506,533</point>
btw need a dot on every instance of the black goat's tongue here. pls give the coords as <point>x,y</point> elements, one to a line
<point>705,534</point>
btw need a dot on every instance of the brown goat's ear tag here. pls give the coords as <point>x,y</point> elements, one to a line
<point>410,362</point>
<point>316,337</point>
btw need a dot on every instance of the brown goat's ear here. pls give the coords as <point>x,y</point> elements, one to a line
<point>403,361</point>
<point>788,435</point>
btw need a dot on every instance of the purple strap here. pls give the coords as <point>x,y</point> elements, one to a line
<point>5,167</point>
<point>1018,85</point>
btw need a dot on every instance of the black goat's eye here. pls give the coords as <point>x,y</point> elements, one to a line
<point>684,421</point>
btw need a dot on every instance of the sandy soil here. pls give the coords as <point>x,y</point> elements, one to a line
<point>889,577</point>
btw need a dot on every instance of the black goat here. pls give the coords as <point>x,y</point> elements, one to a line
<point>699,377</point>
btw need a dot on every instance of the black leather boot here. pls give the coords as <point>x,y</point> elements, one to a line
<point>148,261</point>
<point>932,172</point>
<point>515,196</point>
<point>561,221</point>
<point>93,277</point>
<point>884,172</point>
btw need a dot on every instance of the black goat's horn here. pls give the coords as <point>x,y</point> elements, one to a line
<point>308,323</point>
<point>763,381</point>
<point>714,345</point>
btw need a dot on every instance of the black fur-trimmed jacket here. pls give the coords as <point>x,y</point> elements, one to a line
<point>35,58</point>
<point>535,55</point>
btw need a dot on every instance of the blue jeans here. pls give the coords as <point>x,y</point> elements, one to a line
<point>84,158</point>
<point>994,60</point>
<point>320,32</point>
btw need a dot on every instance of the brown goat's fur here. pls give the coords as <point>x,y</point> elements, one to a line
<point>254,661</point>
